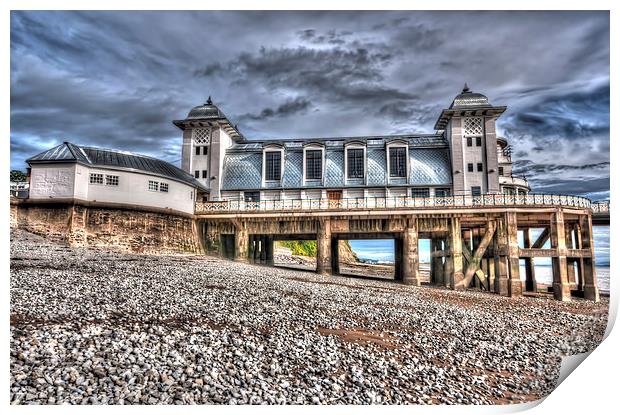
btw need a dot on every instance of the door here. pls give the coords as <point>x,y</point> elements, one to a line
<point>333,198</point>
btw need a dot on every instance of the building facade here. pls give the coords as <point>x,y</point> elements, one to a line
<point>464,156</point>
<point>101,176</point>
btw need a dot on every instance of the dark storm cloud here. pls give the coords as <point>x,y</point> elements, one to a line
<point>117,79</point>
<point>290,107</point>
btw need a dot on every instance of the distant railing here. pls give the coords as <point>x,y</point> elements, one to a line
<point>600,207</point>
<point>392,203</point>
<point>514,180</point>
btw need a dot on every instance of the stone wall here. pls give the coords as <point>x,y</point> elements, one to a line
<point>118,229</point>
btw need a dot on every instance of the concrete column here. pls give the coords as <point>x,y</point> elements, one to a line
<point>570,262</point>
<point>323,248</point>
<point>501,259</point>
<point>241,243</point>
<point>530,268</point>
<point>561,287</point>
<point>491,266</point>
<point>484,266</point>
<point>448,266</point>
<point>436,263</point>
<point>411,271</point>
<point>456,243</point>
<point>398,259</point>
<point>590,286</point>
<point>269,250</point>
<point>263,250</point>
<point>334,256</point>
<point>251,249</point>
<point>579,245</point>
<point>514,283</point>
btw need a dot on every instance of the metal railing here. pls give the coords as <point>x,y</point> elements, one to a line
<point>486,200</point>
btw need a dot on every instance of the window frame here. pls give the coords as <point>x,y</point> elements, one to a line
<point>397,146</point>
<point>470,167</point>
<point>99,176</point>
<point>153,186</point>
<point>445,190</point>
<point>357,147</point>
<point>500,170</point>
<point>314,149</point>
<point>163,185</point>
<point>112,177</point>
<point>268,156</point>
<point>469,141</point>
<point>204,174</point>
<point>478,140</point>
<point>196,174</point>
<point>479,167</point>
<point>479,190</point>
<point>197,152</point>
<point>426,192</point>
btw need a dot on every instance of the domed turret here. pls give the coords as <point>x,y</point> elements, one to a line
<point>208,110</point>
<point>467,99</point>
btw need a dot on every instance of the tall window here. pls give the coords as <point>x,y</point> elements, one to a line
<point>398,162</point>
<point>314,160</point>
<point>204,174</point>
<point>478,141</point>
<point>479,167</point>
<point>197,174</point>
<point>197,151</point>
<point>500,171</point>
<point>470,167</point>
<point>355,163</point>
<point>273,166</point>
<point>468,141</point>
<point>475,191</point>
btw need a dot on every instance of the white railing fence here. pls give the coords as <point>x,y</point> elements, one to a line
<point>397,202</point>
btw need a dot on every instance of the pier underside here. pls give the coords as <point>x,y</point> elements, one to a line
<point>470,248</point>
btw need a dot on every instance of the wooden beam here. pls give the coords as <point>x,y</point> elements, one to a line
<point>474,264</point>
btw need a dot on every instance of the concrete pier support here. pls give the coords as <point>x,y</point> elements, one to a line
<point>323,248</point>
<point>561,287</point>
<point>335,261</point>
<point>514,282</point>
<point>448,266</point>
<point>530,268</point>
<point>241,243</point>
<point>590,287</point>
<point>437,271</point>
<point>456,248</point>
<point>500,249</point>
<point>411,271</point>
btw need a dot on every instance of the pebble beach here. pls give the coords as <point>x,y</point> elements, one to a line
<point>90,326</point>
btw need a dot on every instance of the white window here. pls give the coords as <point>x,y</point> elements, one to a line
<point>314,163</point>
<point>111,180</point>
<point>96,178</point>
<point>398,160</point>
<point>355,161</point>
<point>163,187</point>
<point>153,186</point>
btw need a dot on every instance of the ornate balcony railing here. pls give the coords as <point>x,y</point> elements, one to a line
<point>600,207</point>
<point>487,200</point>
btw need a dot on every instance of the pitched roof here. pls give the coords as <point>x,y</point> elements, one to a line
<point>123,160</point>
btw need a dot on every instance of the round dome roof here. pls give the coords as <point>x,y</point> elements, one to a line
<point>206,110</point>
<point>469,99</point>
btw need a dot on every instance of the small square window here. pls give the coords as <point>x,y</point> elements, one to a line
<point>163,187</point>
<point>478,141</point>
<point>111,180</point>
<point>153,186</point>
<point>479,167</point>
<point>96,178</point>
<point>204,174</point>
<point>197,174</point>
<point>468,141</point>
<point>470,167</point>
<point>197,151</point>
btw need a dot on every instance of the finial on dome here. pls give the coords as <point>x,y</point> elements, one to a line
<point>209,102</point>
<point>465,88</point>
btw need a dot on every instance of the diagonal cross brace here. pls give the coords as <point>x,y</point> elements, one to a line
<point>542,238</point>
<point>474,264</point>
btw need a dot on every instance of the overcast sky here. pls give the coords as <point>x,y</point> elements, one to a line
<point>118,79</point>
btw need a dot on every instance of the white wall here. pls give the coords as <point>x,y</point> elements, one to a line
<point>52,181</point>
<point>73,181</point>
